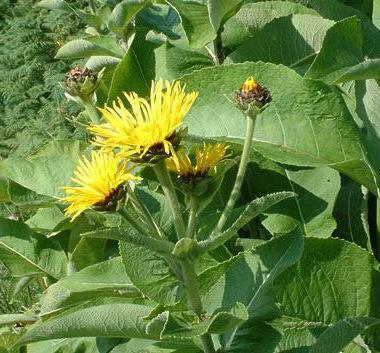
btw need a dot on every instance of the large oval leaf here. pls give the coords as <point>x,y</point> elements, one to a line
<point>306,124</point>
<point>26,253</point>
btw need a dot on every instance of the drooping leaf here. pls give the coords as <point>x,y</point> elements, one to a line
<point>324,133</point>
<point>110,318</point>
<point>252,17</point>
<point>26,253</point>
<point>90,46</point>
<point>106,279</point>
<point>341,50</point>
<point>292,41</point>
<point>195,22</point>
<point>48,170</point>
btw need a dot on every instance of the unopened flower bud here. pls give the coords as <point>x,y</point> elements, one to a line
<point>251,97</point>
<point>81,82</point>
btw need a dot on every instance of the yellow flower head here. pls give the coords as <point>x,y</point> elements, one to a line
<point>100,183</point>
<point>206,159</point>
<point>250,85</point>
<point>147,128</point>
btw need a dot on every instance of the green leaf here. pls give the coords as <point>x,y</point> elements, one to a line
<point>337,337</point>
<point>106,279</point>
<point>195,22</point>
<point>55,5</point>
<point>23,197</point>
<point>72,345</point>
<point>252,17</point>
<point>149,346</point>
<point>363,71</point>
<point>173,62</point>
<point>26,253</point>
<point>221,10</point>
<point>112,318</point>
<point>9,319</point>
<point>94,45</point>
<point>376,13</point>
<point>46,171</point>
<point>187,325</point>
<point>250,211</point>
<point>123,13</point>
<point>98,62</point>
<point>336,11</point>
<point>135,71</point>
<point>312,205</point>
<point>253,272</point>
<point>348,213</point>
<point>292,41</point>
<point>46,219</point>
<point>325,135</point>
<point>333,280</point>
<point>150,273</point>
<point>341,49</point>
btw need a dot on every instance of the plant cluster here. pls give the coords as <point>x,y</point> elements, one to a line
<point>223,196</point>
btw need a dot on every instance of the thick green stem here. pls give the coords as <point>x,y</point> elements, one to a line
<point>91,110</point>
<point>192,288</point>
<point>171,196</point>
<point>141,239</point>
<point>239,178</point>
<point>218,48</point>
<point>192,217</point>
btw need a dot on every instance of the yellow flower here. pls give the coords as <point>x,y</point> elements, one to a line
<point>148,128</point>
<point>250,85</point>
<point>206,159</point>
<point>100,183</point>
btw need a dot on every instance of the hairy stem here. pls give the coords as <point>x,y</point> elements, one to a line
<point>192,217</point>
<point>192,288</point>
<point>171,196</point>
<point>239,178</point>
<point>91,110</point>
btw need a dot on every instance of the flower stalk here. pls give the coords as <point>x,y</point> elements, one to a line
<point>239,178</point>
<point>171,196</point>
